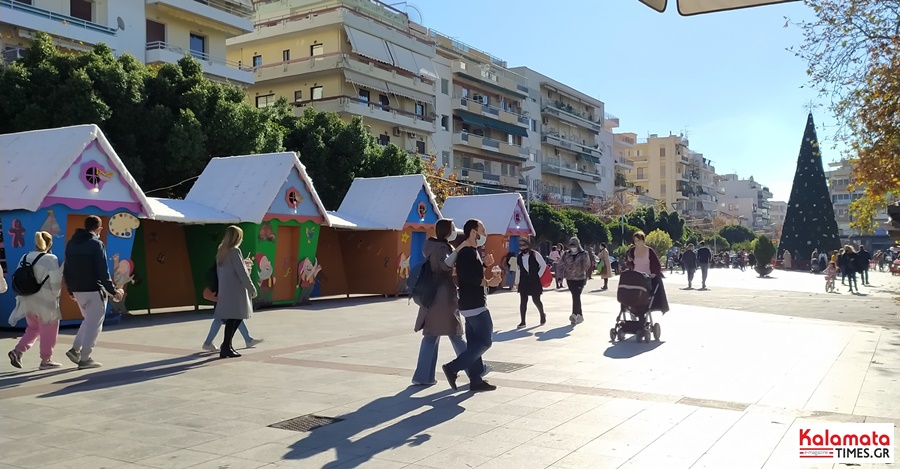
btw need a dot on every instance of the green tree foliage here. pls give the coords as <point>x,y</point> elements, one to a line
<point>735,234</point>
<point>550,224</point>
<point>764,251</point>
<point>690,236</point>
<point>591,231</point>
<point>644,218</point>
<point>717,243</point>
<point>615,229</point>
<point>675,226</point>
<point>660,241</point>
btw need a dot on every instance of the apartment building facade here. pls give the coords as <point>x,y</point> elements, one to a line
<point>153,31</point>
<point>352,57</point>
<point>754,199</point>
<point>574,162</point>
<point>777,212</point>
<point>839,178</point>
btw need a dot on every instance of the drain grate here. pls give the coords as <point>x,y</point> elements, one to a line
<point>505,367</point>
<point>305,423</point>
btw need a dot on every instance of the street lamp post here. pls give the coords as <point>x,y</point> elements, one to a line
<point>525,170</point>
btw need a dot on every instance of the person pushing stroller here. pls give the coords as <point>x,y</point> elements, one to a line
<point>643,259</point>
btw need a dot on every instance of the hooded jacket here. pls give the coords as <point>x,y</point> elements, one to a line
<point>575,266</point>
<point>442,317</point>
<point>86,267</point>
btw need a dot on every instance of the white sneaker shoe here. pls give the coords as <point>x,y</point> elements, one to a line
<point>572,319</point>
<point>210,348</point>
<point>579,318</point>
<point>73,355</point>
<point>254,342</point>
<point>49,365</point>
<point>89,363</point>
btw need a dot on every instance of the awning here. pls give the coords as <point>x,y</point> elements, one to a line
<point>472,119</point>
<point>480,121</point>
<point>588,157</point>
<point>426,66</point>
<point>590,188</point>
<point>411,94</point>
<point>695,7</point>
<point>368,45</point>
<point>403,58</point>
<point>366,82</point>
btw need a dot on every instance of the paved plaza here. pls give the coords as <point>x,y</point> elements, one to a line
<point>738,369</point>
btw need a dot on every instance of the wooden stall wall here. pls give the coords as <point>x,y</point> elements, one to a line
<point>370,261</point>
<point>333,279</point>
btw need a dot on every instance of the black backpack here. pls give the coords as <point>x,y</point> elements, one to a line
<point>212,279</point>
<point>24,283</point>
<point>420,283</point>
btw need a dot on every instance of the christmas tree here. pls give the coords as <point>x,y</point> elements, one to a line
<point>809,223</point>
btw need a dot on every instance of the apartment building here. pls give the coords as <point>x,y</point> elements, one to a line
<point>752,197</point>
<point>353,57</point>
<point>153,31</point>
<point>482,109</point>
<point>574,165</point>
<point>666,169</point>
<point>777,213</point>
<point>839,179</point>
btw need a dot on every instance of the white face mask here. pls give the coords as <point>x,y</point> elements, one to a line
<point>480,240</point>
<point>573,250</point>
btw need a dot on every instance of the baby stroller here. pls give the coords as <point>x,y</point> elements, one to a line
<point>635,294</point>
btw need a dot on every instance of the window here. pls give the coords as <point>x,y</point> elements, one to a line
<point>265,101</point>
<point>286,55</point>
<point>662,189</point>
<point>640,173</point>
<point>445,122</point>
<point>316,49</point>
<point>156,33</point>
<point>420,109</point>
<point>384,139</point>
<point>445,157</point>
<point>533,125</point>
<point>257,61</point>
<point>509,139</point>
<point>298,96</point>
<point>198,46</point>
<point>383,100</point>
<point>364,95</point>
<point>662,152</point>
<point>316,92</point>
<point>445,86</point>
<point>81,9</point>
<point>420,147</point>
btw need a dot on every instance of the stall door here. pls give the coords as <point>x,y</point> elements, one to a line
<point>67,306</point>
<point>170,282</point>
<point>287,245</point>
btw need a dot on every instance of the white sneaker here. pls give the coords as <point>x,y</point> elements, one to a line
<point>49,365</point>
<point>579,319</point>
<point>572,319</point>
<point>73,355</point>
<point>89,363</point>
<point>254,342</point>
<point>210,348</point>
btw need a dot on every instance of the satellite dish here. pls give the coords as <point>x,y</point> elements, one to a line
<point>120,23</point>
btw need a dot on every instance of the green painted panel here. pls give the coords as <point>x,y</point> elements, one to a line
<point>138,297</point>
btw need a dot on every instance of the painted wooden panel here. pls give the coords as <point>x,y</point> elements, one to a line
<point>168,266</point>
<point>295,200</point>
<point>67,307</point>
<point>285,263</point>
<point>333,277</point>
<point>93,181</point>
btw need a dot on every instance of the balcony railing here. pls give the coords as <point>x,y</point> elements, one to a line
<point>560,109</point>
<point>201,56</point>
<point>558,167</point>
<point>554,138</point>
<point>235,8</point>
<point>478,141</point>
<point>355,100</point>
<point>492,110</point>
<point>64,20</point>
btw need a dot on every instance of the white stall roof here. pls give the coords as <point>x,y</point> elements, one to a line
<point>383,203</point>
<point>55,150</point>
<point>247,185</point>
<point>188,213</point>
<point>348,222</point>
<point>494,210</point>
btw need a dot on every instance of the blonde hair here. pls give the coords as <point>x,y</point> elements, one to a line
<point>232,239</point>
<point>43,241</point>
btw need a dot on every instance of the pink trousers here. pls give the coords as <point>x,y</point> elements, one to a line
<point>36,329</point>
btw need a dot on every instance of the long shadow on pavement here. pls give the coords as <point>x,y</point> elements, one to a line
<point>629,348</point>
<point>513,334</point>
<point>411,431</point>
<point>558,333</point>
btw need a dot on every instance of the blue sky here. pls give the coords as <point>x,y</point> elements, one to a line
<point>725,77</point>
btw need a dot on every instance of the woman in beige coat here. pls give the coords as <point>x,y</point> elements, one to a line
<point>606,267</point>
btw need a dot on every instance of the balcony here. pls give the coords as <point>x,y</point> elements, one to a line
<point>40,19</point>
<point>485,74</point>
<point>353,106</point>
<point>484,177</point>
<point>625,141</point>
<point>475,107</point>
<point>571,171</point>
<point>161,52</point>
<point>610,121</point>
<point>557,140</point>
<point>568,114</point>
<point>624,163</point>
<point>763,204</point>
<point>231,16</point>
<point>489,144</point>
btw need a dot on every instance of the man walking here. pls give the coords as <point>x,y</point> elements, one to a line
<point>703,257</point>
<point>863,258</point>
<point>473,306</point>
<point>689,263</point>
<point>87,278</point>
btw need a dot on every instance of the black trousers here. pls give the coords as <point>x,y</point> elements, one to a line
<point>576,287</point>
<point>231,326</point>
<point>523,304</point>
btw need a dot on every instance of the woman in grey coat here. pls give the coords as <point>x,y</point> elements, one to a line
<point>236,289</point>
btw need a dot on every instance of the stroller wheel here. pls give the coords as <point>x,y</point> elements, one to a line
<point>612,334</point>
<point>657,331</point>
<point>620,335</point>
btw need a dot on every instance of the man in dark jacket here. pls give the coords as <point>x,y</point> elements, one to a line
<point>862,264</point>
<point>689,263</point>
<point>86,273</point>
<point>704,256</point>
<point>473,306</point>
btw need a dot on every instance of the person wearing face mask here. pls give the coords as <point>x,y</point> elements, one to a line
<point>531,267</point>
<point>574,265</point>
<point>643,258</point>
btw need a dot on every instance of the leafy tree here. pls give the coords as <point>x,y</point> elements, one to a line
<point>662,222</point>
<point>675,226</point>
<point>853,51</point>
<point>615,229</point>
<point>391,161</point>
<point>735,234</point>
<point>443,185</point>
<point>660,241</point>
<point>591,231</point>
<point>691,237</point>
<point>644,218</point>
<point>717,243</point>
<point>764,251</point>
<point>550,224</point>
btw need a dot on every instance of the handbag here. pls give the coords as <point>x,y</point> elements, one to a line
<point>546,278</point>
<point>208,295</point>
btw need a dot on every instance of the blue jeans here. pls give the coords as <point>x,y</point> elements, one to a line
<point>217,324</point>
<point>479,329</point>
<point>428,355</point>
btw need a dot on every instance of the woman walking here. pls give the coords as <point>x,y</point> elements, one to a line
<point>531,267</point>
<point>574,265</point>
<point>848,266</point>
<point>642,258</point>
<point>605,267</point>
<point>41,309</point>
<point>555,255</point>
<point>441,318</point>
<point>236,289</point>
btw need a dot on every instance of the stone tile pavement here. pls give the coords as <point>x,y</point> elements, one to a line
<point>723,389</point>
